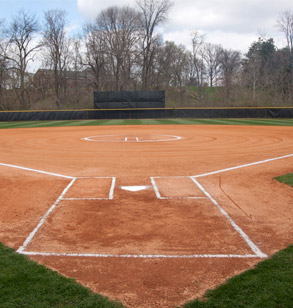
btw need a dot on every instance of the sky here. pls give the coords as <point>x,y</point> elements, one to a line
<point>235,24</point>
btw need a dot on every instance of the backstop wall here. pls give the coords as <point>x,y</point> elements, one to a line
<point>147,113</point>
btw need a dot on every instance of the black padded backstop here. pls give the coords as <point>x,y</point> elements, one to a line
<point>129,99</point>
<point>43,115</point>
<point>160,113</point>
<point>147,113</point>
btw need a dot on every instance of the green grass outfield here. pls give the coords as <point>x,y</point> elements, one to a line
<point>267,122</point>
<point>268,285</point>
<point>24,283</point>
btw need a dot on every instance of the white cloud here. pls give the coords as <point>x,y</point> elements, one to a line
<point>235,41</point>
<point>91,8</point>
<point>229,40</point>
<point>232,16</point>
<point>234,24</point>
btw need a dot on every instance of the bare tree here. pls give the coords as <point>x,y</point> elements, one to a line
<point>285,24</point>
<point>258,67</point>
<point>57,45</point>
<point>118,30</point>
<point>153,13</point>
<point>173,63</point>
<point>252,74</point>
<point>3,65</point>
<point>22,44</point>
<point>95,57</point>
<point>230,61</point>
<point>210,55</point>
<point>166,58</point>
<point>75,59</point>
<point>198,69</point>
<point>77,77</point>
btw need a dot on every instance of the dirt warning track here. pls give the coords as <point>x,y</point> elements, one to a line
<point>149,215</point>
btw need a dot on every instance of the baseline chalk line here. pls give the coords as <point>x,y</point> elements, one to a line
<point>93,255</point>
<point>83,199</point>
<point>242,166</point>
<point>36,170</point>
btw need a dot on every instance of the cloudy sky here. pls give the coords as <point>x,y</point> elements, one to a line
<point>234,24</point>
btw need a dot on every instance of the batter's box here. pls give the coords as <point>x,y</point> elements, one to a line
<point>176,188</point>
<point>134,227</point>
<point>96,188</point>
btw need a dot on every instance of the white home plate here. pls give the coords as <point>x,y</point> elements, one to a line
<point>134,188</point>
<point>132,138</point>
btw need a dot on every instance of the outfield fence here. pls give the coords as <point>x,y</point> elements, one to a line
<point>147,113</point>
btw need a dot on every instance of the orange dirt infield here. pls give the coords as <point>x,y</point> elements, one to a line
<point>152,216</point>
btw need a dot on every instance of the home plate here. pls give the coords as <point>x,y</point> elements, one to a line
<point>134,188</point>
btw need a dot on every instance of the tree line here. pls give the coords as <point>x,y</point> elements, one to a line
<point>121,49</point>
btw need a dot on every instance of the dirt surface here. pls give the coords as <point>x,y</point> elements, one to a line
<point>138,192</point>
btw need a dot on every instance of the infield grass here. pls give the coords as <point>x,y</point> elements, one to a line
<point>258,122</point>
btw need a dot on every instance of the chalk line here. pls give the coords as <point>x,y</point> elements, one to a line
<point>249,242</point>
<point>123,138</point>
<point>51,209</point>
<point>38,171</point>
<point>158,195</point>
<point>111,193</point>
<point>83,199</point>
<point>242,166</point>
<point>142,256</point>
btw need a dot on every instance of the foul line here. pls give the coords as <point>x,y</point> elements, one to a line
<point>241,166</point>
<point>38,171</point>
